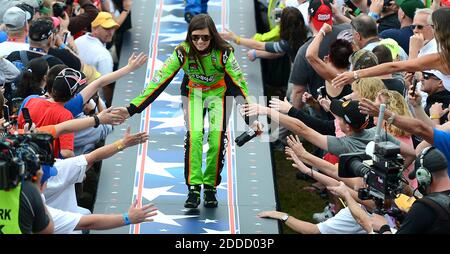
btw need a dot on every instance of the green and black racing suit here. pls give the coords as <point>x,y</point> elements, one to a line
<point>204,89</point>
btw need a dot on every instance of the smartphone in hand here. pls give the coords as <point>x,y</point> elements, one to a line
<point>27,117</point>
<point>6,113</point>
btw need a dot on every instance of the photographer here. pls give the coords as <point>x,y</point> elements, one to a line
<point>22,209</point>
<point>428,214</point>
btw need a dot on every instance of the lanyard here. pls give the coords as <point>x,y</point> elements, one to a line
<point>40,50</point>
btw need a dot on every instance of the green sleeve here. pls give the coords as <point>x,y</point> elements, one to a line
<point>160,81</point>
<point>272,35</point>
<point>234,72</point>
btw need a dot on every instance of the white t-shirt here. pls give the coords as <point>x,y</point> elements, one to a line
<point>92,51</point>
<point>60,192</point>
<point>7,47</point>
<point>65,222</point>
<point>342,223</point>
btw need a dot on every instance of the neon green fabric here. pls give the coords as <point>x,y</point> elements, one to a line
<point>216,67</point>
<point>213,101</point>
<point>9,211</point>
<point>208,73</point>
<point>272,35</point>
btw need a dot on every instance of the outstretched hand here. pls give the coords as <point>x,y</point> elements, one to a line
<point>136,61</point>
<point>340,190</point>
<point>122,111</point>
<point>369,107</point>
<point>342,79</point>
<point>255,109</point>
<point>138,214</point>
<point>130,140</point>
<point>111,116</point>
<point>228,35</point>
<point>280,106</point>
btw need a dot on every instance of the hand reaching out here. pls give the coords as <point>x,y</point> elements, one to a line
<point>136,61</point>
<point>141,214</point>
<point>228,35</point>
<point>122,111</point>
<point>369,107</point>
<point>130,140</point>
<point>255,109</point>
<point>280,106</point>
<point>111,116</point>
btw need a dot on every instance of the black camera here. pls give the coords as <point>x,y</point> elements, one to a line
<point>383,175</point>
<point>245,137</point>
<point>58,9</point>
<point>322,91</point>
<point>21,156</point>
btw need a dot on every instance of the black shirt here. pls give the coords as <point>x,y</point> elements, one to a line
<point>395,85</point>
<point>32,215</point>
<point>420,218</point>
<point>388,22</point>
<point>441,97</point>
<point>52,61</point>
<point>66,57</point>
<point>302,72</point>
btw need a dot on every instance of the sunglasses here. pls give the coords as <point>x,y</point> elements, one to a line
<point>419,27</point>
<point>69,73</point>
<point>203,37</point>
<point>427,76</point>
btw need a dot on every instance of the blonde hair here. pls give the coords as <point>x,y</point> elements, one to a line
<point>368,87</point>
<point>396,103</point>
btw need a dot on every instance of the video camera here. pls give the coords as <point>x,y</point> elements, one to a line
<point>383,174</point>
<point>21,157</point>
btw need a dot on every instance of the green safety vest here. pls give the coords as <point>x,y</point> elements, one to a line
<point>9,211</point>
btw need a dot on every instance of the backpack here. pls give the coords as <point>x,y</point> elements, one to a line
<point>440,203</point>
<point>11,88</point>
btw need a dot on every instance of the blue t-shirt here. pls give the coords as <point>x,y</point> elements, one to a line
<point>3,36</point>
<point>75,105</point>
<point>441,141</point>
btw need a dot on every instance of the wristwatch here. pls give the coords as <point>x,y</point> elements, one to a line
<point>391,119</point>
<point>284,218</point>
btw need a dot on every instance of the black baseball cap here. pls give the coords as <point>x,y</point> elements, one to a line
<point>40,29</point>
<point>433,160</point>
<point>67,82</point>
<point>349,111</point>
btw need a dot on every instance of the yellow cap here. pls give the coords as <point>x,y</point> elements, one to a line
<point>393,46</point>
<point>91,73</point>
<point>105,20</point>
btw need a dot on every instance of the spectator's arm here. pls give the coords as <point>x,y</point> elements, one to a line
<point>297,225</point>
<point>249,43</point>
<point>299,128</point>
<point>312,55</point>
<point>254,54</point>
<point>84,20</point>
<point>413,126</point>
<point>8,70</point>
<point>134,62</point>
<point>108,221</point>
<point>107,151</point>
<point>357,212</point>
<point>66,153</point>
<point>124,12</point>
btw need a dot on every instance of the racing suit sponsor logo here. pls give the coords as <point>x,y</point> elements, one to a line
<point>203,78</point>
<point>225,57</point>
<point>180,56</point>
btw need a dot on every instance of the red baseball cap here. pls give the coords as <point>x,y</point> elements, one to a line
<point>320,13</point>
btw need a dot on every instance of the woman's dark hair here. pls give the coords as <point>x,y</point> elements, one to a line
<point>292,28</point>
<point>383,54</point>
<point>340,51</point>
<point>441,20</point>
<point>51,75</point>
<point>200,22</point>
<point>32,77</point>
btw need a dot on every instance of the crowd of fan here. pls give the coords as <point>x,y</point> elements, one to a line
<point>57,60</point>
<point>347,58</point>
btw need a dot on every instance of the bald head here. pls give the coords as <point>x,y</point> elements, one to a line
<point>365,26</point>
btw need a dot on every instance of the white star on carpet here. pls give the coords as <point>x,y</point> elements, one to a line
<point>171,122</point>
<point>159,168</point>
<point>208,221</point>
<point>170,219</point>
<point>152,193</point>
<point>210,231</point>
